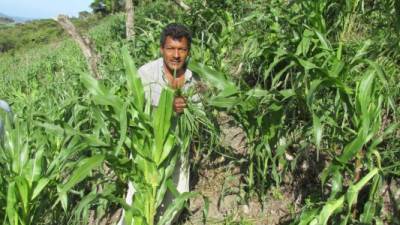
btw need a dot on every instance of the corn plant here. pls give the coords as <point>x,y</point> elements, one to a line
<point>32,181</point>
<point>315,80</point>
<point>322,216</point>
<point>262,131</point>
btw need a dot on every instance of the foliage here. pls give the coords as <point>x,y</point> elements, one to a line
<point>306,80</point>
<point>23,36</point>
<point>107,6</point>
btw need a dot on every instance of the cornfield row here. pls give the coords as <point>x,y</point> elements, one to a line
<point>307,81</point>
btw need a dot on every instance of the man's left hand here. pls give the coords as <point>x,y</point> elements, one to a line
<point>179,104</point>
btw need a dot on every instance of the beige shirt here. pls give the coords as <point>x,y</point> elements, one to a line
<point>154,80</point>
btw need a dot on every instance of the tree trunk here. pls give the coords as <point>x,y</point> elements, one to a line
<point>84,44</point>
<point>130,20</point>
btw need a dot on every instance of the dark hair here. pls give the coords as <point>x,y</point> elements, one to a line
<point>176,31</point>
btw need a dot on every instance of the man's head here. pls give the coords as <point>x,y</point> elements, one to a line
<point>175,44</point>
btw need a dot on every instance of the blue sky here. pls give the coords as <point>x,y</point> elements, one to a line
<point>43,8</point>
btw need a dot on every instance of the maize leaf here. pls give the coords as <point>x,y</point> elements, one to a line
<point>134,82</point>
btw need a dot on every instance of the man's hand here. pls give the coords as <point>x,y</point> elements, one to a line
<point>179,104</point>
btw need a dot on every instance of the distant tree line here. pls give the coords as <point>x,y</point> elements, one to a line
<point>106,7</point>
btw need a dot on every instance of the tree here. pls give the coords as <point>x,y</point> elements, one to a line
<point>107,6</point>
<point>130,20</point>
<point>84,14</point>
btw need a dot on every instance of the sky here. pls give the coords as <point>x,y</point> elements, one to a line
<point>41,9</point>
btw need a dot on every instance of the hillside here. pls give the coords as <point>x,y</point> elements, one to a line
<point>5,20</point>
<point>14,19</point>
<point>20,36</point>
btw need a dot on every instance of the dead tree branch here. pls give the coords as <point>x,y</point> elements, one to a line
<point>91,56</point>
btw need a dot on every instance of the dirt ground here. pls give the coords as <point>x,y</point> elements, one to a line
<point>222,187</point>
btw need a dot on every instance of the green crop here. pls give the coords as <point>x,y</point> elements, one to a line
<point>313,83</point>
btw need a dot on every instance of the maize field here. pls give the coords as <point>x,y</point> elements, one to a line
<point>314,87</point>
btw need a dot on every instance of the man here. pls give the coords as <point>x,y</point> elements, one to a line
<point>169,70</point>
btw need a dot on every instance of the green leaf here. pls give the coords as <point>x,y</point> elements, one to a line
<point>42,183</point>
<point>287,93</point>
<point>224,102</point>
<point>83,170</point>
<point>11,208</point>
<point>177,205</point>
<point>353,191</point>
<point>37,166</point>
<point>277,59</point>
<point>337,183</point>
<point>62,196</point>
<point>162,120</point>
<point>123,127</point>
<point>85,203</point>
<point>329,208</point>
<point>229,91</point>
<point>362,51</point>
<point>365,93</point>
<point>23,190</point>
<point>352,148</point>
<point>368,213</point>
<point>325,43</point>
<point>277,77</point>
<point>307,216</point>
<point>205,209</point>
<point>331,169</point>
<point>100,94</point>
<point>168,146</point>
<point>307,65</point>
<point>134,82</point>
<point>337,68</point>
<point>310,94</point>
<point>317,132</point>
<point>213,77</point>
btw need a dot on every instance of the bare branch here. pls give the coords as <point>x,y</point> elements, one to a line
<point>84,44</point>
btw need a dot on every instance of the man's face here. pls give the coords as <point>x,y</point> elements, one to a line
<point>175,52</point>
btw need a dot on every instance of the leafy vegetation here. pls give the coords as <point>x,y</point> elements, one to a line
<point>307,81</point>
<point>23,36</point>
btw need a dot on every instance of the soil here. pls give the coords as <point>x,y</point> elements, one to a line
<point>221,183</point>
<point>223,188</point>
